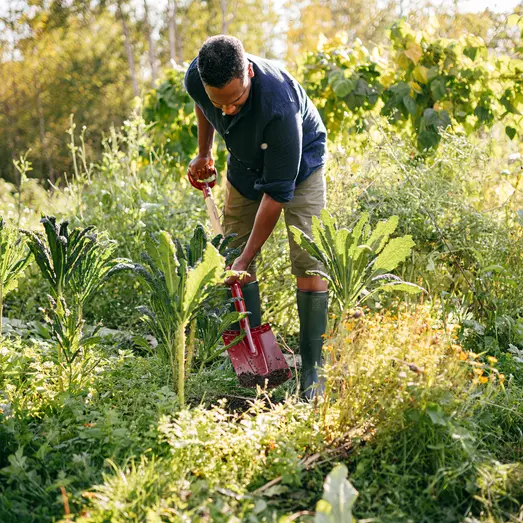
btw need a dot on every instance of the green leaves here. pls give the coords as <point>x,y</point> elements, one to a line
<point>410,105</point>
<point>59,256</point>
<point>357,262</point>
<point>395,253</point>
<point>510,132</point>
<point>338,498</point>
<point>170,111</point>
<point>199,279</point>
<point>75,263</point>
<point>162,251</point>
<point>341,85</point>
<point>180,278</point>
<point>14,258</point>
<point>428,83</point>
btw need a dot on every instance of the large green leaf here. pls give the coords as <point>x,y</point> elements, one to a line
<point>307,243</point>
<point>197,245</point>
<point>394,253</point>
<point>338,498</point>
<point>206,273</point>
<point>404,286</point>
<point>357,232</point>
<point>42,256</point>
<point>381,234</point>
<point>163,253</point>
<point>394,286</point>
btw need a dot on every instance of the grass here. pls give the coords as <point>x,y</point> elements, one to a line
<point>428,407</point>
<point>423,437</point>
<point>424,400</point>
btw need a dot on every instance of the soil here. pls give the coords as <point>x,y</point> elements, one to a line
<point>275,378</point>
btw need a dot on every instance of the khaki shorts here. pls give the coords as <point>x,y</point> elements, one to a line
<point>310,197</point>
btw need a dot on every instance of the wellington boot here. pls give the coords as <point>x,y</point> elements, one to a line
<point>251,296</point>
<point>312,310</point>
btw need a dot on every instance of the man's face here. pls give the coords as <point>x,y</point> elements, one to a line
<point>231,98</point>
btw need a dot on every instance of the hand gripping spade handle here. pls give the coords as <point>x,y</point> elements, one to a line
<point>257,359</point>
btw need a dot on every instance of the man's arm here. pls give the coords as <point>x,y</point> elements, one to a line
<point>205,133</point>
<point>266,219</point>
<point>202,166</point>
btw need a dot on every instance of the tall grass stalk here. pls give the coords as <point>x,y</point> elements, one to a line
<point>23,166</point>
<point>14,257</point>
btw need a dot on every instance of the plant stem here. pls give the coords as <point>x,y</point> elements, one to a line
<point>179,344</point>
<point>1,306</point>
<point>190,345</point>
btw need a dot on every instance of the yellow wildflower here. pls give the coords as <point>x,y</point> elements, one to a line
<point>492,359</point>
<point>483,379</point>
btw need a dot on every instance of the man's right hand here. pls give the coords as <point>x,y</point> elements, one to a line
<point>202,168</point>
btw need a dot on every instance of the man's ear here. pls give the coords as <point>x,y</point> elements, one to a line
<point>250,70</point>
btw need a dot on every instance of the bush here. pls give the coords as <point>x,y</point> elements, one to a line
<point>455,206</point>
<point>432,420</point>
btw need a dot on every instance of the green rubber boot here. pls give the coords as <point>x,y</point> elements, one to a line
<point>312,309</point>
<point>251,296</point>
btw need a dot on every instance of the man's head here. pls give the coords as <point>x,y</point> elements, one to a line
<point>225,72</point>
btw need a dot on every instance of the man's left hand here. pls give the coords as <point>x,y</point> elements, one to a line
<point>239,265</point>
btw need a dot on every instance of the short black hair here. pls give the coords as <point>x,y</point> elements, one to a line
<point>220,60</point>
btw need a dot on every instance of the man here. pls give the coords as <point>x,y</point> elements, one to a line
<point>277,146</point>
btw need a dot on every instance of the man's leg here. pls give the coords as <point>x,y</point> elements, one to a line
<point>311,294</point>
<point>238,217</point>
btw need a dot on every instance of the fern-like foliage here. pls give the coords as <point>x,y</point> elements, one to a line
<point>75,263</point>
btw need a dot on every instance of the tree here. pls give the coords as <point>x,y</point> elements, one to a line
<point>51,71</point>
<point>150,42</point>
<point>314,19</point>
<point>128,48</point>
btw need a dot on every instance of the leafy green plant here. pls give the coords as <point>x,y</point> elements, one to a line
<point>13,260</point>
<point>211,322</point>
<point>357,262</point>
<point>214,316</point>
<point>420,83</point>
<point>75,264</point>
<point>338,498</point>
<point>177,291</point>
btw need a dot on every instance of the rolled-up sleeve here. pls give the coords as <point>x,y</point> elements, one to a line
<point>282,154</point>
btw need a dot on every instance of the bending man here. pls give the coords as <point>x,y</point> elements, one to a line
<point>277,149</point>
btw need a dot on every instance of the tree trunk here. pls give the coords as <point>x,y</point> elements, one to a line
<point>10,138</point>
<point>129,50</point>
<point>43,136</point>
<point>150,41</point>
<point>171,14</point>
<point>225,22</point>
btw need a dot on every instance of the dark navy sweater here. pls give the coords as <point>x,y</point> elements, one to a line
<point>277,139</point>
